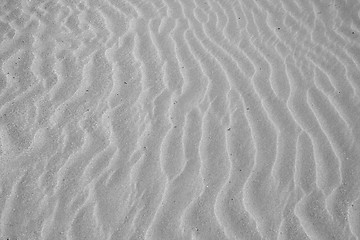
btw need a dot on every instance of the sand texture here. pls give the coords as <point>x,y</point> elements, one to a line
<point>179,119</point>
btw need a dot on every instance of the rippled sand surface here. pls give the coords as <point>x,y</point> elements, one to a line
<point>180,119</point>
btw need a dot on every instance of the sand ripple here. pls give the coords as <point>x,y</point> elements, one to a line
<point>179,119</point>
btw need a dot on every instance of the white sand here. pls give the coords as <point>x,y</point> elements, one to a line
<point>180,119</point>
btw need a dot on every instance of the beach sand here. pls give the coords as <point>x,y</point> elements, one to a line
<point>180,119</point>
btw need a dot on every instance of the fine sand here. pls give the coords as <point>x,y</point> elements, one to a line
<point>180,119</point>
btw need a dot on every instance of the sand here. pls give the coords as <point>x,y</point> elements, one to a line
<point>180,119</point>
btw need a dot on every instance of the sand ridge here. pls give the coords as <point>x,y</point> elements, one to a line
<point>179,119</point>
